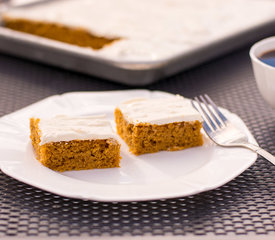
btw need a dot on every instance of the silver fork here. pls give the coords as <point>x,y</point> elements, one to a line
<point>221,130</point>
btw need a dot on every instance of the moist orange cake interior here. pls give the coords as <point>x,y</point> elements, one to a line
<point>74,154</point>
<point>146,137</point>
<point>76,36</point>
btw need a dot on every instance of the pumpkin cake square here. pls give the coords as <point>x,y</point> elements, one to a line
<point>65,143</point>
<point>152,125</point>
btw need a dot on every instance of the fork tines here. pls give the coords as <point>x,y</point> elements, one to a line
<point>212,116</point>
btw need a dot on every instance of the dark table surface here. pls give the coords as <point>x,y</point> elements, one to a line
<point>242,208</point>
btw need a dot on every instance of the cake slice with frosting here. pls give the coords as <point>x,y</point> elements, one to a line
<point>66,143</point>
<point>152,125</point>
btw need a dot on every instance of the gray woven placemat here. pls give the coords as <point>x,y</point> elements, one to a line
<point>243,207</point>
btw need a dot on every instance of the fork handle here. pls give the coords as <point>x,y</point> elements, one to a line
<point>261,152</point>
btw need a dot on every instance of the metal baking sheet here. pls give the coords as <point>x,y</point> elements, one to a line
<point>131,73</point>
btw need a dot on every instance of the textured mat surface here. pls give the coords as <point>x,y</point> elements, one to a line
<point>244,206</point>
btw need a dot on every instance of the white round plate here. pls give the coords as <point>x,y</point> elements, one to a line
<point>145,177</point>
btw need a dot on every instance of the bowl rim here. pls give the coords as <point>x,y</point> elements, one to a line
<point>256,46</point>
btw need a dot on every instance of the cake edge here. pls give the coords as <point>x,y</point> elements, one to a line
<point>67,34</point>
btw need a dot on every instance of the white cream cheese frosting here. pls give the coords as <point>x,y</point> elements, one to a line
<point>159,110</point>
<point>152,29</point>
<point>64,128</point>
